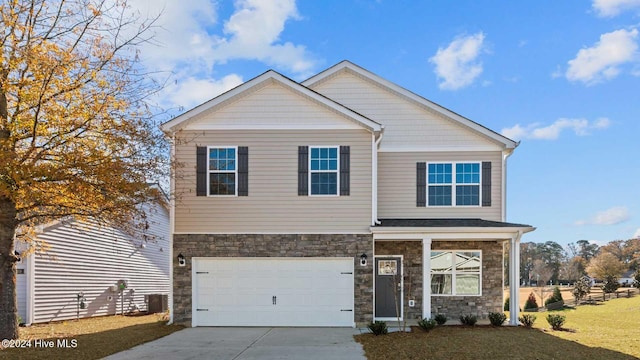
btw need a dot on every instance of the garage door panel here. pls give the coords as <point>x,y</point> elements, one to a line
<point>240,292</point>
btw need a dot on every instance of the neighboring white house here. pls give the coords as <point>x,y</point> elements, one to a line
<point>78,267</point>
<point>627,278</point>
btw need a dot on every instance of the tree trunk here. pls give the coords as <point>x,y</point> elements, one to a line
<point>8,303</point>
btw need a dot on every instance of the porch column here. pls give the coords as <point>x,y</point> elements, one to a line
<point>426,278</point>
<point>514,280</point>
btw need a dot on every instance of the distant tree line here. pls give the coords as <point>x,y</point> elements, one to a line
<point>549,263</point>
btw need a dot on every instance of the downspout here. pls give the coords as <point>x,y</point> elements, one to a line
<point>505,155</point>
<point>375,144</point>
<point>172,215</point>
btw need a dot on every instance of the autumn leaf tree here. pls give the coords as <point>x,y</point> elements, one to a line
<point>608,268</point>
<point>77,135</point>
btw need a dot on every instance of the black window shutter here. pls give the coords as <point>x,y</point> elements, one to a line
<point>243,171</point>
<point>486,183</point>
<point>303,170</point>
<point>421,184</point>
<point>345,165</point>
<point>201,171</point>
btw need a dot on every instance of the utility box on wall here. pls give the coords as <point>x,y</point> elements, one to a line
<point>157,303</point>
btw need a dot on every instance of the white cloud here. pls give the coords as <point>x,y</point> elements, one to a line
<point>610,8</point>
<point>190,92</point>
<point>602,61</point>
<point>637,234</point>
<point>537,131</point>
<point>457,64</point>
<point>188,46</point>
<point>612,216</point>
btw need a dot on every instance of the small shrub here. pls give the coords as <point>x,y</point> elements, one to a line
<point>497,319</point>
<point>636,279</point>
<point>610,284</point>
<point>440,319</point>
<point>556,321</point>
<point>470,320</point>
<point>506,305</point>
<point>581,288</point>
<point>556,297</point>
<point>378,328</point>
<point>531,303</point>
<point>527,320</point>
<point>427,324</point>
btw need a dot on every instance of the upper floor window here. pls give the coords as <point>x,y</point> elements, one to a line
<point>323,170</point>
<point>456,272</point>
<point>222,170</point>
<point>453,183</point>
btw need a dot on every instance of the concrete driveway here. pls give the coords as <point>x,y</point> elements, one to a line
<point>250,343</point>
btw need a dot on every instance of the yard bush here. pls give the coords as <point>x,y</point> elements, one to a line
<point>378,328</point>
<point>497,319</point>
<point>470,320</point>
<point>527,320</point>
<point>506,305</point>
<point>440,319</point>
<point>556,297</point>
<point>531,303</point>
<point>636,279</point>
<point>610,284</point>
<point>581,288</point>
<point>556,321</point>
<point>427,324</point>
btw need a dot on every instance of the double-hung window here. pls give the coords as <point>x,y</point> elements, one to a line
<point>456,273</point>
<point>453,184</point>
<point>323,170</point>
<point>222,170</point>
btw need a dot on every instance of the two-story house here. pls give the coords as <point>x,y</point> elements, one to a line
<point>336,201</point>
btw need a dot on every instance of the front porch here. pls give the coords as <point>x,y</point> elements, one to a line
<point>446,266</point>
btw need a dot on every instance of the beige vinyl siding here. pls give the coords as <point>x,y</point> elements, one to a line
<point>273,204</point>
<point>271,105</point>
<point>397,186</point>
<point>407,124</point>
<point>89,258</point>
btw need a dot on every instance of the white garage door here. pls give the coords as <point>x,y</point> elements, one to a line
<point>273,292</point>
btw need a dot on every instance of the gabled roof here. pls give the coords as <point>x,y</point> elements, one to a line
<point>349,66</point>
<point>183,119</point>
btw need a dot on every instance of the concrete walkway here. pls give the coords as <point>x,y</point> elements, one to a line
<point>250,343</point>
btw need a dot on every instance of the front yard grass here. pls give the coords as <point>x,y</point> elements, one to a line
<point>95,337</point>
<point>606,331</point>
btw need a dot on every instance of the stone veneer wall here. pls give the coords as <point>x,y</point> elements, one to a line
<point>269,245</point>
<point>451,306</point>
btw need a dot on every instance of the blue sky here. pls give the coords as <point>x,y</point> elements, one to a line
<point>563,77</point>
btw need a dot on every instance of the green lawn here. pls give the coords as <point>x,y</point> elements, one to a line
<point>607,331</point>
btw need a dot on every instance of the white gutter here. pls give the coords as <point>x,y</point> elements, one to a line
<point>374,175</point>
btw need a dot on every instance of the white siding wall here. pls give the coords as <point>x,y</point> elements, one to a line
<point>21,289</point>
<point>88,258</point>
<point>407,124</point>
<point>397,186</point>
<point>273,204</point>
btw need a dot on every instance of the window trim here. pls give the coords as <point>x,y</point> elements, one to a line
<point>209,171</point>
<point>454,183</point>
<point>453,272</point>
<point>337,171</point>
